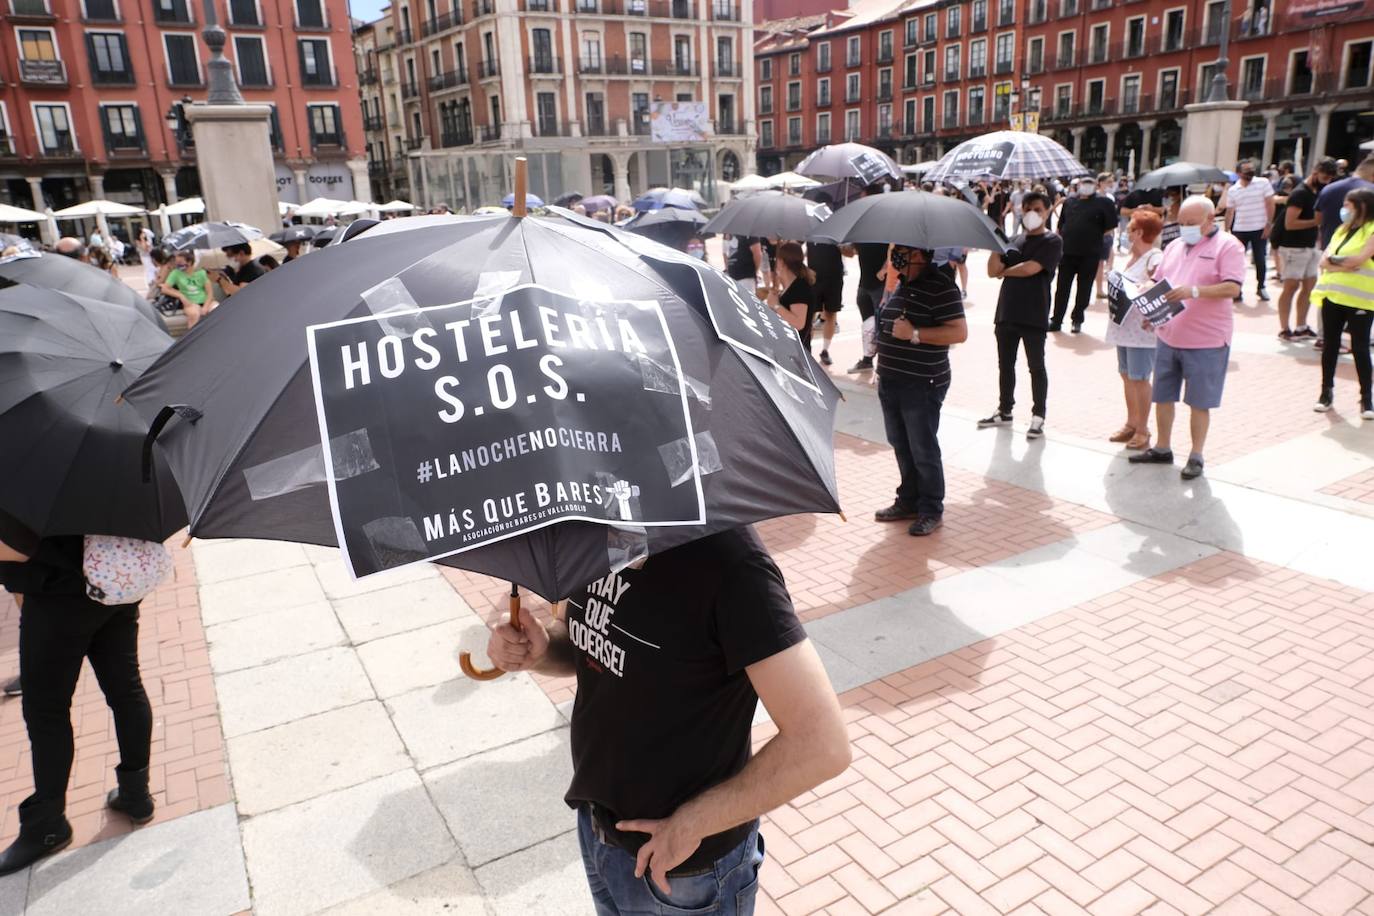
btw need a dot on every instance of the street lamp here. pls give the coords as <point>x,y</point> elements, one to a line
<point>176,122</point>
<point>1220,91</point>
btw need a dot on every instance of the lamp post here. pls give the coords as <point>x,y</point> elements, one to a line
<point>1220,91</point>
<point>221,87</point>
<point>177,124</point>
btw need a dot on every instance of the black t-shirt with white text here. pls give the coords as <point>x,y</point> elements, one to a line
<point>664,705</point>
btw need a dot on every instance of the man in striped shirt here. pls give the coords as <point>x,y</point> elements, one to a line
<point>916,327</point>
<point>1249,213</point>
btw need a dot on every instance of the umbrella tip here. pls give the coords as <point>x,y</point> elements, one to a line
<point>116,364</point>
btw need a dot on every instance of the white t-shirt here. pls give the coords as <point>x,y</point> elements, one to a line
<point>1249,203</point>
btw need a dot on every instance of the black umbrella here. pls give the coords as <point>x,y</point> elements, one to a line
<point>251,464</point>
<point>670,226</point>
<point>68,275</point>
<point>1178,174</point>
<point>770,214</point>
<point>915,218</point>
<point>357,228</point>
<point>836,194</point>
<point>568,199</point>
<point>324,236</point>
<point>850,160</point>
<point>293,234</point>
<point>72,459</point>
<point>210,236</point>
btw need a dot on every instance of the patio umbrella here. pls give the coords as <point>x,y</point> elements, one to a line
<point>736,407</point>
<point>770,214</point>
<point>329,206</point>
<point>395,206</point>
<point>849,160</point>
<point>68,275</point>
<point>293,234</point>
<point>190,206</point>
<point>914,218</point>
<point>1006,154</point>
<point>599,202</point>
<point>1178,174</point>
<point>72,461</point>
<point>211,236</point>
<point>784,181</point>
<point>658,198</point>
<point>531,201</point>
<point>94,208</point>
<point>750,184</point>
<point>670,226</point>
<point>9,214</point>
<point>285,207</point>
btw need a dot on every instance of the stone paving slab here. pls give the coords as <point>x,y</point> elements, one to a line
<point>449,889</point>
<point>223,561</point>
<point>273,635</point>
<point>408,605</point>
<point>544,880</point>
<point>222,602</point>
<point>419,658</point>
<point>291,688</point>
<point>344,845</point>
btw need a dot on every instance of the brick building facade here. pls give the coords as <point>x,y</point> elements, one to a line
<point>1109,77</point>
<point>87,89</point>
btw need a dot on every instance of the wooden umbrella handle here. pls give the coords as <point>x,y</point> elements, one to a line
<point>491,674</point>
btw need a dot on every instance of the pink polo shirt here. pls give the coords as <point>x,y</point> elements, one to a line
<point>1203,323</point>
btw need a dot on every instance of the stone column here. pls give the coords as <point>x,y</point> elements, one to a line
<point>1077,141</point>
<point>1110,130</point>
<point>234,155</point>
<point>169,184</point>
<point>1323,128</point>
<point>1147,133</point>
<point>362,184</point>
<point>97,182</point>
<point>300,178</point>
<point>620,162</point>
<point>48,227</point>
<point>1211,134</point>
<point>1271,119</point>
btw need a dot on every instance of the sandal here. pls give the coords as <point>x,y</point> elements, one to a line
<point>1122,435</point>
<point>1140,440</point>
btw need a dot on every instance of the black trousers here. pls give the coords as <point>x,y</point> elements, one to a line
<point>1337,319</point>
<point>1083,269</point>
<point>55,635</point>
<point>867,298</point>
<point>1009,336</point>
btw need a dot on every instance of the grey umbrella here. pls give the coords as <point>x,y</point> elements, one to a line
<point>914,218</point>
<point>68,275</point>
<point>849,160</point>
<point>212,235</point>
<point>1178,174</point>
<point>293,234</point>
<point>770,214</point>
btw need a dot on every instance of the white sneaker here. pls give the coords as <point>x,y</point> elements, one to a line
<point>1037,428</point>
<point>1367,413</point>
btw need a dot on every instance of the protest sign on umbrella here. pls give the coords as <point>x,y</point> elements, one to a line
<point>1006,154</point>
<point>850,160</point>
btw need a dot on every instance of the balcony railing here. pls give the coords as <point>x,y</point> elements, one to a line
<point>1006,15</point>
<point>6,146</point>
<point>728,68</point>
<point>442,23</point>
<point>488,68</point>
<point>455,138</point>
<point>1002,66</point>
<point>885,93</point>
<point>123,77</point>
<point>330,139</point>
<point>977,71</point>
<point>1037,12</point>
<point>911,40</point>
<point>1066,61</point>
<point>367,77</point>
<point>326,78</point>
<point>725,12</point>
<point>682,9</point>
<point>823,100</point>
<point>979,24</point>
<point>491,133</point>
<point>729,128</point>
<point>1099,108</point>
<point>885,55</point>
<point>447,80</point>
<point>372,122</point>
<point>975,118</point>
<point>951,75</point>
<point>950,120</point>
<point>405,37</point>
<point>594,128</point>
<point>545,64</point>
<point>1098,54</point>
<point>766,141</point>
<point>794,103</point>
<point>63,148</point>
<point>823,136</point>
<point>410,90</point>
<point>539,6</point>
<point>823,66</point>
<point>676,68</point>
<point>1132,49</point>
<point>413,143</point>
<point>483,8</point>
<point>179,14</point>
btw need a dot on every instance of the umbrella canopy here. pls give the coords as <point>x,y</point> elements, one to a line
<point>395,206</point>
<point>750,184</point>
<point>916,168</point>
<point>293,234</point>
<point>285,207</point>
<point>1178,174</point>
<point>599,202</point>
<point>357,228</point>
<point>73,458</point>
<point>531,201</point>
<point>791,181</point>
<point>10,214</point>
<point>24,245</point>
<point>837,193</point>
<point>849,160</point>
<point>1006,154</point>
<point>93,208</point>
<point>568,199</point>
<point>329,206</point>
<point>191,206</point>
<point>770,214</point>
<point>913,218</point>
<point>68,275</point>
<point>211,236</point>
<point>324,236</point>
<point>658,198</point>
<point>252,463</point>
<point>670,226</point>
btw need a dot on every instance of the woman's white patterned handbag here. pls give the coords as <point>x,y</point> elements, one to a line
<point>123,570</point>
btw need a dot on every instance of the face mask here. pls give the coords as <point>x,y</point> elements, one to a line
<point>1086,190</point>
<point>900,258</point>
<point>1191,235</point>
<point>1346,214</point>
<point>1032,220</point>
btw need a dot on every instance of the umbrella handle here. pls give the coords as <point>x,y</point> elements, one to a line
<point>190,414</point>
<point>491,674</point>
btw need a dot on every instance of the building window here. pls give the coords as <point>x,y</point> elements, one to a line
<point>1100,36</point>
<point>1035,55</point>
<point>1216,21</point>
<point>591,52</point>
<point>928,114</point>
<point>1135,37</point>
<point>183,60</point>
<point>315,67</point>
<point>546,112</point>
<point>596,114</point>
<point>975,105</point>
<point>251,58</point>
<point>853,55</point>
<point>885,83</point>
<point>979,16</point>
<point>1006,51</point>
<point>794,64</point>
<point>244,12</point>
<point>725,56</point>
<point>639,54</point>
<point>122,127</point>
<point>823,56</point>
<point>310,14</point>
<point>1001,102</point>
<point>100,11</point>
<point>682,55</point>
<point>1173,29</point>
<point>541,42</point>
<point>851,125</point>
<point>794,132</point>
<point>931,26</point>
<point>765,100</point>
<point>109,57</point>
<point>1300,74</point>
<point>1252,78</point>
<point>54,128</point>
<point>324,125</point>
<point>765,65</point>
<point>885,120</point>
<point>1358,56</point>
<point>37,45</point>
<point>851,87</point>
<point>951,108</point>
<point>909,121</point>
<point>1063,101</point>
<point>823,127</point>
<point>1130,94</point>
<point>977,59</point>
<point>639,106</point>
<point>909,71</point>
<point>1006,12</point>
<point>885,46</point>
<point>6,138</point>
<point>1066,54</point>
<point>766,134</point>
<point>794,96</point>
<point>928,67</point>
<point>952,62</point>
<point>1096,93</point>
<point>823,92</point>
<point>952,21</point>
<point>172,11</point>
<point>725,114</point>
<point>912,36</point>
<point>1168,90</point>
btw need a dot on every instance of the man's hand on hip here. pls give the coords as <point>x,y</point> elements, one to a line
<point>670,843</point>
<point>518,650</point>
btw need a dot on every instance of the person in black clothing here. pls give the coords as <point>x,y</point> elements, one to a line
<point>827,264</point>
<point>745,263</point>
<point>918,323</point>
<point>793,296</point>
<point>1023,311</point>
<point>242,270</point>
<point>59,627</point>
<point>672,656</point>
<point>872,259</point>
<point>1083,222</point>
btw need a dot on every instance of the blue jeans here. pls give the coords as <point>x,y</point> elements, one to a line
<point>726,889</point>
<point>911,416</point>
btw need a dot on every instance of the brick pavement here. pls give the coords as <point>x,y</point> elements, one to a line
<point>187,773</point>
<point>1357,487</point>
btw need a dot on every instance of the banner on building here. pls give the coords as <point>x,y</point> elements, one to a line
<point>1017,121</point>
<point>679,122</point>
<point>1307,14</point>
<point>1033,122</point>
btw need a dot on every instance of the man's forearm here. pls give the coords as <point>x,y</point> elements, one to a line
<point>560,660</point>
<point>943,335</point>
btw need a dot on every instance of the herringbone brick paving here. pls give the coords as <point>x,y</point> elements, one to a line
<point>1357,487</point>
<point>1198,742</point>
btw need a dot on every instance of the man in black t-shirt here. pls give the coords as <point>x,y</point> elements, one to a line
<point>1299,256</point>
<point>671,660</point>
<point>745,263</point>
<point>1023,311</point>
<point>243,270</point>
<point>872,259</point>
<point>827,263</point>
<point>1083,222</point>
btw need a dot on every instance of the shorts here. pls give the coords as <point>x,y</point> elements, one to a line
<point>1300,263</point>
<point>829,297</point>
<point>1202,371</point>
<point>1136,363</point>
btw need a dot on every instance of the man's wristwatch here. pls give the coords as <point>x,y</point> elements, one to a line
<point>915,335</point>
<point>1195,293</point>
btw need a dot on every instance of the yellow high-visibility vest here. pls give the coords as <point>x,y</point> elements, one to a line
<point>1354,287</point>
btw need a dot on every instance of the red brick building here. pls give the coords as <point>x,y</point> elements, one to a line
<point>1109,77</point>
<point>87,86</point>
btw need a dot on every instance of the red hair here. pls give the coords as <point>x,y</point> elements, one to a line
<point>1149,224</point>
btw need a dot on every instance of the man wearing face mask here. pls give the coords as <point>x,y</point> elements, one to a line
<point>1084,220</point>
<point>1250,211</point>
<point>1205,266</point>
<point>1299,256</point>
<point>916,326</point>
